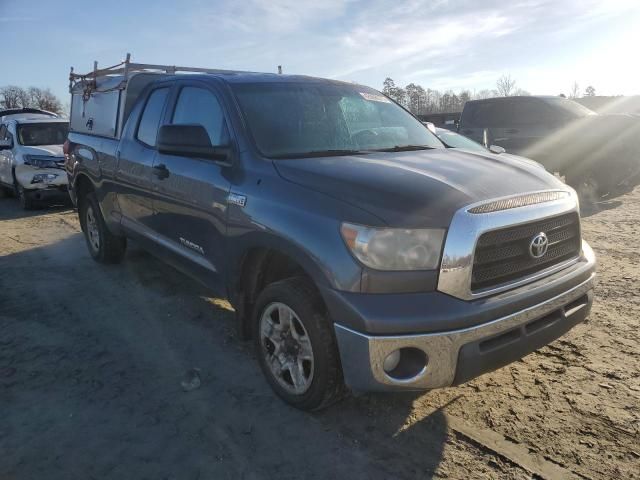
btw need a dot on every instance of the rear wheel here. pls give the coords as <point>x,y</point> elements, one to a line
<point>104,246</point>
<point>295,345</point>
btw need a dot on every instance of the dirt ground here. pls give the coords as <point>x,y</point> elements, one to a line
<point>92,359</point>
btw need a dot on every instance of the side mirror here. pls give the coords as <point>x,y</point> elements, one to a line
<point>6,144</point>
<point>497,149</point>
<point>191,141</point>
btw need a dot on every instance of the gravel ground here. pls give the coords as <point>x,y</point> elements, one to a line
<point>92,361</point>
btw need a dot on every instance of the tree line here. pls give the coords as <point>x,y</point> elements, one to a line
<point>424,101</point>
<point>419,100</point>
<point>12,96</point>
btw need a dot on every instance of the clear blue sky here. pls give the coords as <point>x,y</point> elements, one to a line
<point>544,45</point>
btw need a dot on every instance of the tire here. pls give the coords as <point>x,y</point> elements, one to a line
<point>3,192</point>
<point>321,383</point>
<point>104,246</point>
<point>25,198</point>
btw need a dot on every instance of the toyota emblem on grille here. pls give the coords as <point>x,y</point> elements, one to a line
<point>539,245</point>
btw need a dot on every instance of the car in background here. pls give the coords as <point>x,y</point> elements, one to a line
<point>455,140</point>
<point>598,153</point>
<point>31,157</point>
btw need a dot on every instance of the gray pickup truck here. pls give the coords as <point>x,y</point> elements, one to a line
<point>356,249</point>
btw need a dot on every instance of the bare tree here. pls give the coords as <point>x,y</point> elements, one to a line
<point>521,93</point>
<point>590,91</point>
<point>44,99</point>
<point>11,97</point>
<point>505,86</point>
<point>575,90</point>
<point>485,93</point>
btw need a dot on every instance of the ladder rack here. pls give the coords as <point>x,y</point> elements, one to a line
<point>126,68</point>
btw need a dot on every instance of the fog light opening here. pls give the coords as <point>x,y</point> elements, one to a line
<point>405,363</point>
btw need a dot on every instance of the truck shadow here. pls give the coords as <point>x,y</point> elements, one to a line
<point>10,209</point>
<point>106,350</point>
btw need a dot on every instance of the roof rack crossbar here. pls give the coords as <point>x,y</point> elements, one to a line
<point>127,67</point>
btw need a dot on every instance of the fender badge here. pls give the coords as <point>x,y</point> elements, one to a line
<point>237,199</point>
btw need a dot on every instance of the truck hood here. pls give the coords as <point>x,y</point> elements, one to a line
<point>46,150</point>
<point>416,189</point>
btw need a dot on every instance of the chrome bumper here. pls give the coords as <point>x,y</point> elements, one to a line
<point>363,355</point>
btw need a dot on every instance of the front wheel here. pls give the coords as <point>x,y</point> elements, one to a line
<point>25,198</point>
<point>295,345</point>
<point>104,246</point>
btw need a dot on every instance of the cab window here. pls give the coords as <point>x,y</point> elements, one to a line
<point>198,106</point>
<point>150,120</point>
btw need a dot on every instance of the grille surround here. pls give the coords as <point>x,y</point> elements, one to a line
<point>466,228</point>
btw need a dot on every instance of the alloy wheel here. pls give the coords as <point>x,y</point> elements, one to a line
<point>286,347</point>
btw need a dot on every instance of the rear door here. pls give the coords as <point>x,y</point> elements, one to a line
<point>5,158</point>
<point>191,193</point>
<point>531,120</point>
<point>135,162</point>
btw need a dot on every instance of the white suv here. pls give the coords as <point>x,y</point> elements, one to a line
<point>31,157</point>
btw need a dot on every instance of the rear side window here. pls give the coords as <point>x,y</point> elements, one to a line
<point>3,132</point>
<point>150,121</point>
<point>490,114</point>
<point>200,107</point>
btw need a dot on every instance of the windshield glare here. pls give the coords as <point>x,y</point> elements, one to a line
<point>298,119</point>
<point>35,134</point>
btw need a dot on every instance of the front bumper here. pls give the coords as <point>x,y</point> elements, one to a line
<point>25,173</point>
<point>460,354</point>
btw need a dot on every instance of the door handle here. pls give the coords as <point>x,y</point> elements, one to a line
<point>161,171</point>
<point>513,130</point>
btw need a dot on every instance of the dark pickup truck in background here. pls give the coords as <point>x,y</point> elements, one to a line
<point>355,248</point>
<point>598,152</point>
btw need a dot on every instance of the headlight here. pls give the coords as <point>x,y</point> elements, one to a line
<point>394,248</point>
<point>40,161</point>
<point>44,177</point>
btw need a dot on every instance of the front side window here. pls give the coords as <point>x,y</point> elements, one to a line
<point>307,119</point>
<point>531,112</point>
<point>200,107</point>
<point>150,120</point>
<point>35,134</point>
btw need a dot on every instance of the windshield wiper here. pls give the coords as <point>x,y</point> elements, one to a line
<point>319,153</point>
<point>404,148</point>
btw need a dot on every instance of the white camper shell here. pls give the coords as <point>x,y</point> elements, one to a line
<point>101,100</point>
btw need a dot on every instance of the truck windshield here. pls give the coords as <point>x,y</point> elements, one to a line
<point>34,134</point>
<point>571,108</point>
<point>293,120</point>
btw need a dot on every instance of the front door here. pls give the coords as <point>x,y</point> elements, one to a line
<point>190,193</point>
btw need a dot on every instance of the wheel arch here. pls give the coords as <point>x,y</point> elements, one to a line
<point>262,264</point>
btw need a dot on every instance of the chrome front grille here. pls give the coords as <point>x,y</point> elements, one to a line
<point>484,251</point>
<point>503,255</point>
